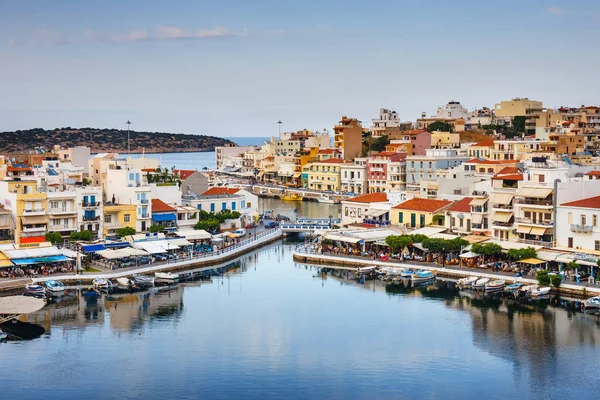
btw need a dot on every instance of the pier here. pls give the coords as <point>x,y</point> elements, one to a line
<point>310,226</point>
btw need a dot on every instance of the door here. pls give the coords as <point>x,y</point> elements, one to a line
<point>413,220</point>
<point>422,220</point>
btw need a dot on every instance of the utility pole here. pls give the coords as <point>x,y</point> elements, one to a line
<point>128,142</point>
<point>279,123</point>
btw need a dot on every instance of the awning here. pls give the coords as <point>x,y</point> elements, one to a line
<point>164,217</point>
<point>502,216</point>
<point>68,253</point>
<point>149,247</point>
<point>523,229</point>
<point>180,242</point>
<point>40,260</point>
<point>199,234</point>
<point>116,245</point>
<point>537,193</point>
<point>478,201</point>
<point>342,238</point>
<point>165,244</point>
<point>476,218</point>
<point>92,248</point>
<point>537,230</point>
<point>469,254</point>
<point>315,181</point>
<point>6,264</point>
<point>32,253</point>
<point>532,261</point>
<point>375,212</point>
<point>420,247</point>
<point>297,175</point>
<point>121,253</point>
<point>34,219</point>
<point>502,198</point>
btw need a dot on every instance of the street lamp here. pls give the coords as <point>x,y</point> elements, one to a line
<point>128,145</point>
<point>279,123</point>
<point>330,216</point>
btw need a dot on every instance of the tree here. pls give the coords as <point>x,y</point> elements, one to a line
<point>556,280</point>
<point>444,246</point>
<point>125,231</point>
<point>542,277</point>
<point>518,123</point>
<point>53,237</point>
<point>156,228</point>
<point>521,254</point>
<point>85,236</point>
<point>487,249</point>
<point>440,126</point>
<point>379,144</point>
<point>397,243</point>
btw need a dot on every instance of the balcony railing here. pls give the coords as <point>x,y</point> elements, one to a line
<point>36,210</point>
<point>90,204</point>
<point>535,202</point>
<point>144,201</point>
<point>582,228</point>
<point>535,242</point>
<point>375,222</point>
<point>532,222</point>
<point>96,218</point>
<point>478,193</point>
<point>503,206</point>
<point>479,226</point>
<point>502,224</point>
<point>145,215</point>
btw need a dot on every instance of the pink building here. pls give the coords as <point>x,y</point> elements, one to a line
<point>378,169</point>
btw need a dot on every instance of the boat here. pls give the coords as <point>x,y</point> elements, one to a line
<point>480,283</point>
<point>513,287</point>
<point>33,288</point>
<point>291,197</point>
<point>124,283</point>
<point>422,276</point>
<point>166,277</point>
<point>407,273</point>
<point>592,304</point>
<point>102,284</point>
<point>494,286</point>
<point>325,199</point>
<point>54,286</point>
<point>364,270</point>
<point>3,335</point>
<point>539,293</point>
<point>143,280</point>
<point>466,282</point>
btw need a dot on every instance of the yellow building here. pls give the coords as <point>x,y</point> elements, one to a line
<point>28,209</point>
<point>118,216</point>
<point>445,140</point>
<point>348,137</point>
<point>516,107</point>
<point>323,175</point>
<point>418,212</point>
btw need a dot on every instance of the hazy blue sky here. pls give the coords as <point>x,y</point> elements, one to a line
<point>233,68</point>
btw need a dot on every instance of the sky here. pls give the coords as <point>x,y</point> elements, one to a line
<point>234,68</point>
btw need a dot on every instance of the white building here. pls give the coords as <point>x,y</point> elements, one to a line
<point>578,225</point>
<point>62,212</point>
<point>452,110</point>
<point>217,199</point>
<point>90,210</point>
<point>371,206</point>
<point>224,152</point>
<point>126,186</point>
<point>353,176</point>
<point>387,119</point>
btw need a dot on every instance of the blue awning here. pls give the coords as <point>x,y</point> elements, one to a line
<point>164,217</point>
<point>116,245</point>
<point>92,248</point>
<point>40,260</point>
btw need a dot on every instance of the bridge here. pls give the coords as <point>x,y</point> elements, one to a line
<point>312,226</point>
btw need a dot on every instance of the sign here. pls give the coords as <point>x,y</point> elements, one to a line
<point>585,257</point>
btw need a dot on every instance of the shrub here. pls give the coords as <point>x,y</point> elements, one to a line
<point>542,277</point>
<point>125,231</point>
<point>53,237</point>
<point>556,280</point>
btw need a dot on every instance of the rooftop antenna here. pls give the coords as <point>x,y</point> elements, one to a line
<point>128,142</point>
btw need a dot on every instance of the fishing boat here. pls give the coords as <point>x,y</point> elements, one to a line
<point>513,287</point>
<point>494,286</point>
<point>3,335</point>
<point>291,197</point>
<point>592,304</point>
<point>102,284</point>
<point>407,273</point>
<point>422,276</point>
<point>124,283</point>
<point>325,199</point>
<point>143,280</point>
<point>166,277</point>
<point>35,289</point>
<point>55,286</point>
<point>466,282</point>
<point>480,283</point>
<point>539,293</point>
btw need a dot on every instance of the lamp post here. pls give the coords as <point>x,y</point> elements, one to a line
<point>128,144</point>
<point>279,123</point>
<point>330,216</point>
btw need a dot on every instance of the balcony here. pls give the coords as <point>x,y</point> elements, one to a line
<point>479,193</point>
<point>144,201</point>
<point>60,211</point>
<point>582,228</point>
<point>88,204</point>
<point>542,243</point>
<point>503,206</point>
<point>145,216</point>
<point>37,211</point>
<point>533,202</point>
<point>479,227</point>
<point>529,221</point>
<point>377,169</point>
<point>89,219</point>
<point>502,225</point>
<point>30,229</point>
<point>61,228</point>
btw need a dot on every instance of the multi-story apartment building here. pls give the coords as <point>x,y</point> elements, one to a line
<point>324,175</point>
<point>481,149</point>
<point>419,168</point>
<point>379,171</point>
<point>224,152</point>
<point>568,144</point>
<point>459,218</point>
<point>579,225</point>
<point>514,149</point>
<point>118,216</point>
<point>504,188</point>
<point>348,137</point>
<point>28,208</point>
<point>62,212</point>
<point>452,110</point>
<point>128,186</point>
<point>353,176</point>
<point>90,210</point>
<point>388,122</point>
<point>419,139</point>
<point>505,111</point>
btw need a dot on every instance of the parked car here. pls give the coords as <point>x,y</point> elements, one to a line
<point>271,225</point>
<point>239,233</point>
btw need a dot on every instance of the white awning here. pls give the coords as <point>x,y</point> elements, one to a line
<point>180,242</point>
<point>33,253</point>
<point>375,212</point>
<point>502,198</point>
<point>121,253</point>
<point>194,234</point>
<point>537,193</point>
<point>419,246</point>
<point>68,253</point>
<point>476,218</point>
<point>478,201</point>
<point>342,238</point>
<point>523,229</point>
<point>538,230</point>
<point>149,247</point>
<point>469,254</point>
<point>500,216</point>
<point>165,244</point>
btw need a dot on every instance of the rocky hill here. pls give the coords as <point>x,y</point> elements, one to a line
<point>108,140</point>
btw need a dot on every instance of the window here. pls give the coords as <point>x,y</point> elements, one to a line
<point>200,207</point>
<point>127,218</point>
<point>56,222</point>
<point>570,218</point>
<point>594,220</point>
<point>597,245</point>
<point>583,220</point>
<point>243,205</point>
<point>107,219</point>
<point>570,245</point>
<point>346,211</point>
<point>233,206</point>
<point>400,217</point>
<point>359,211</point>
<point>131,176</point>
<point>527,214</point>
<point>212,207</point>
<point>223,206</point>
<point>422,220</point>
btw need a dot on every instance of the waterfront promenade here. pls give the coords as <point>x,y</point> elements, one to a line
<point>307,255</point>
<point>196,260</point>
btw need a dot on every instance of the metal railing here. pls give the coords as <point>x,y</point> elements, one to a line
<point>502,206</point>
<point>582,228</point>
<point>533,202</point>
<point>535,242</point>
<point>90,204</point>
<point>532,222</point>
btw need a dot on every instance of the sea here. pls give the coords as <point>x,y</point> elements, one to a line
<point>199,160</point>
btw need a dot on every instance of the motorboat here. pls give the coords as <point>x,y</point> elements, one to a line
<point>494,286</point>
<point>364,270</point>
<point>55,286</point>
<point>3,335</point>
<point>513,287</point>
<point>102,284</point>
<point>325,199</point>
<point>480,283</point>
<point>166,277</point>
<point>143,280</point>
<point>592,304</point>
<point>422,276</point>
<point>291,197</point>
<point>466,282</point>
<point>124,283</point>
<point>35,289</point>
<point>539,293</point>
<point>407,273</point>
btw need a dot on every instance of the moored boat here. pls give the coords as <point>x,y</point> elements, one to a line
<point>102,284</point>
<point>539,293</point>
<point>494,286</point>
<point>364,270</point>
<point>591,304</point>
<point>35,289</point>
<point>513,287</point>
<point>480,283</point>
<point>407,273</point>
<point>166,277</point>
<point>291,197</point>
<point>143,280</point>
<point>55,286</point>
<point>466,282</point>
<point>325,199</point>
<point>3,335</point>
<point>124,283</point>
<point>422,276</point>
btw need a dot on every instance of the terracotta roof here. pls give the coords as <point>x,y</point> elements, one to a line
<point>184,173</point>
<point>593,107</point>
<point>508,171</point>
<point>491,162</point>
<point>512,177</point>
<point>413,132</point>
<point>370,198</point>
<point>216,191</point>
<point>593,173</point>
<point>148,170</point>
<point>160,206</point>
<point>461,205</point>
<point>426,205</point>
<point>567,123</point>
<point>402,155</point>
<point>334,161</point>
<point>590,202</point>
<point>485,143</point>
<point>329,151</point>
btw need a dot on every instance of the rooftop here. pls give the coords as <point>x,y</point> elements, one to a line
<point>160,206</point>
<point>184,173</point>
<point>370,198</point>
<point>590,202</point>
<point>490,162</point>
<point>426,205</point>
<point>219,191</point>
<point>461,205</point>
<point>485,143</point>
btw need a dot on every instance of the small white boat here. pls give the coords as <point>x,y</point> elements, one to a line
<point>466,282</point>
<point>513,287</point>
<point>407,273</point>
<point>166,277</point>
<point>35,289</point>
<point>143,280</point>
<point>495,286</point>
<point>325,199</point>
<point>539,293</point>
<point>364,270</point>
<point>480,283</point>
<point>55,286</point>
<point>124,283</point>
<point>422,276</point>
<point>3,335</point>
<point>592,304</point>
<point>102,284</point>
